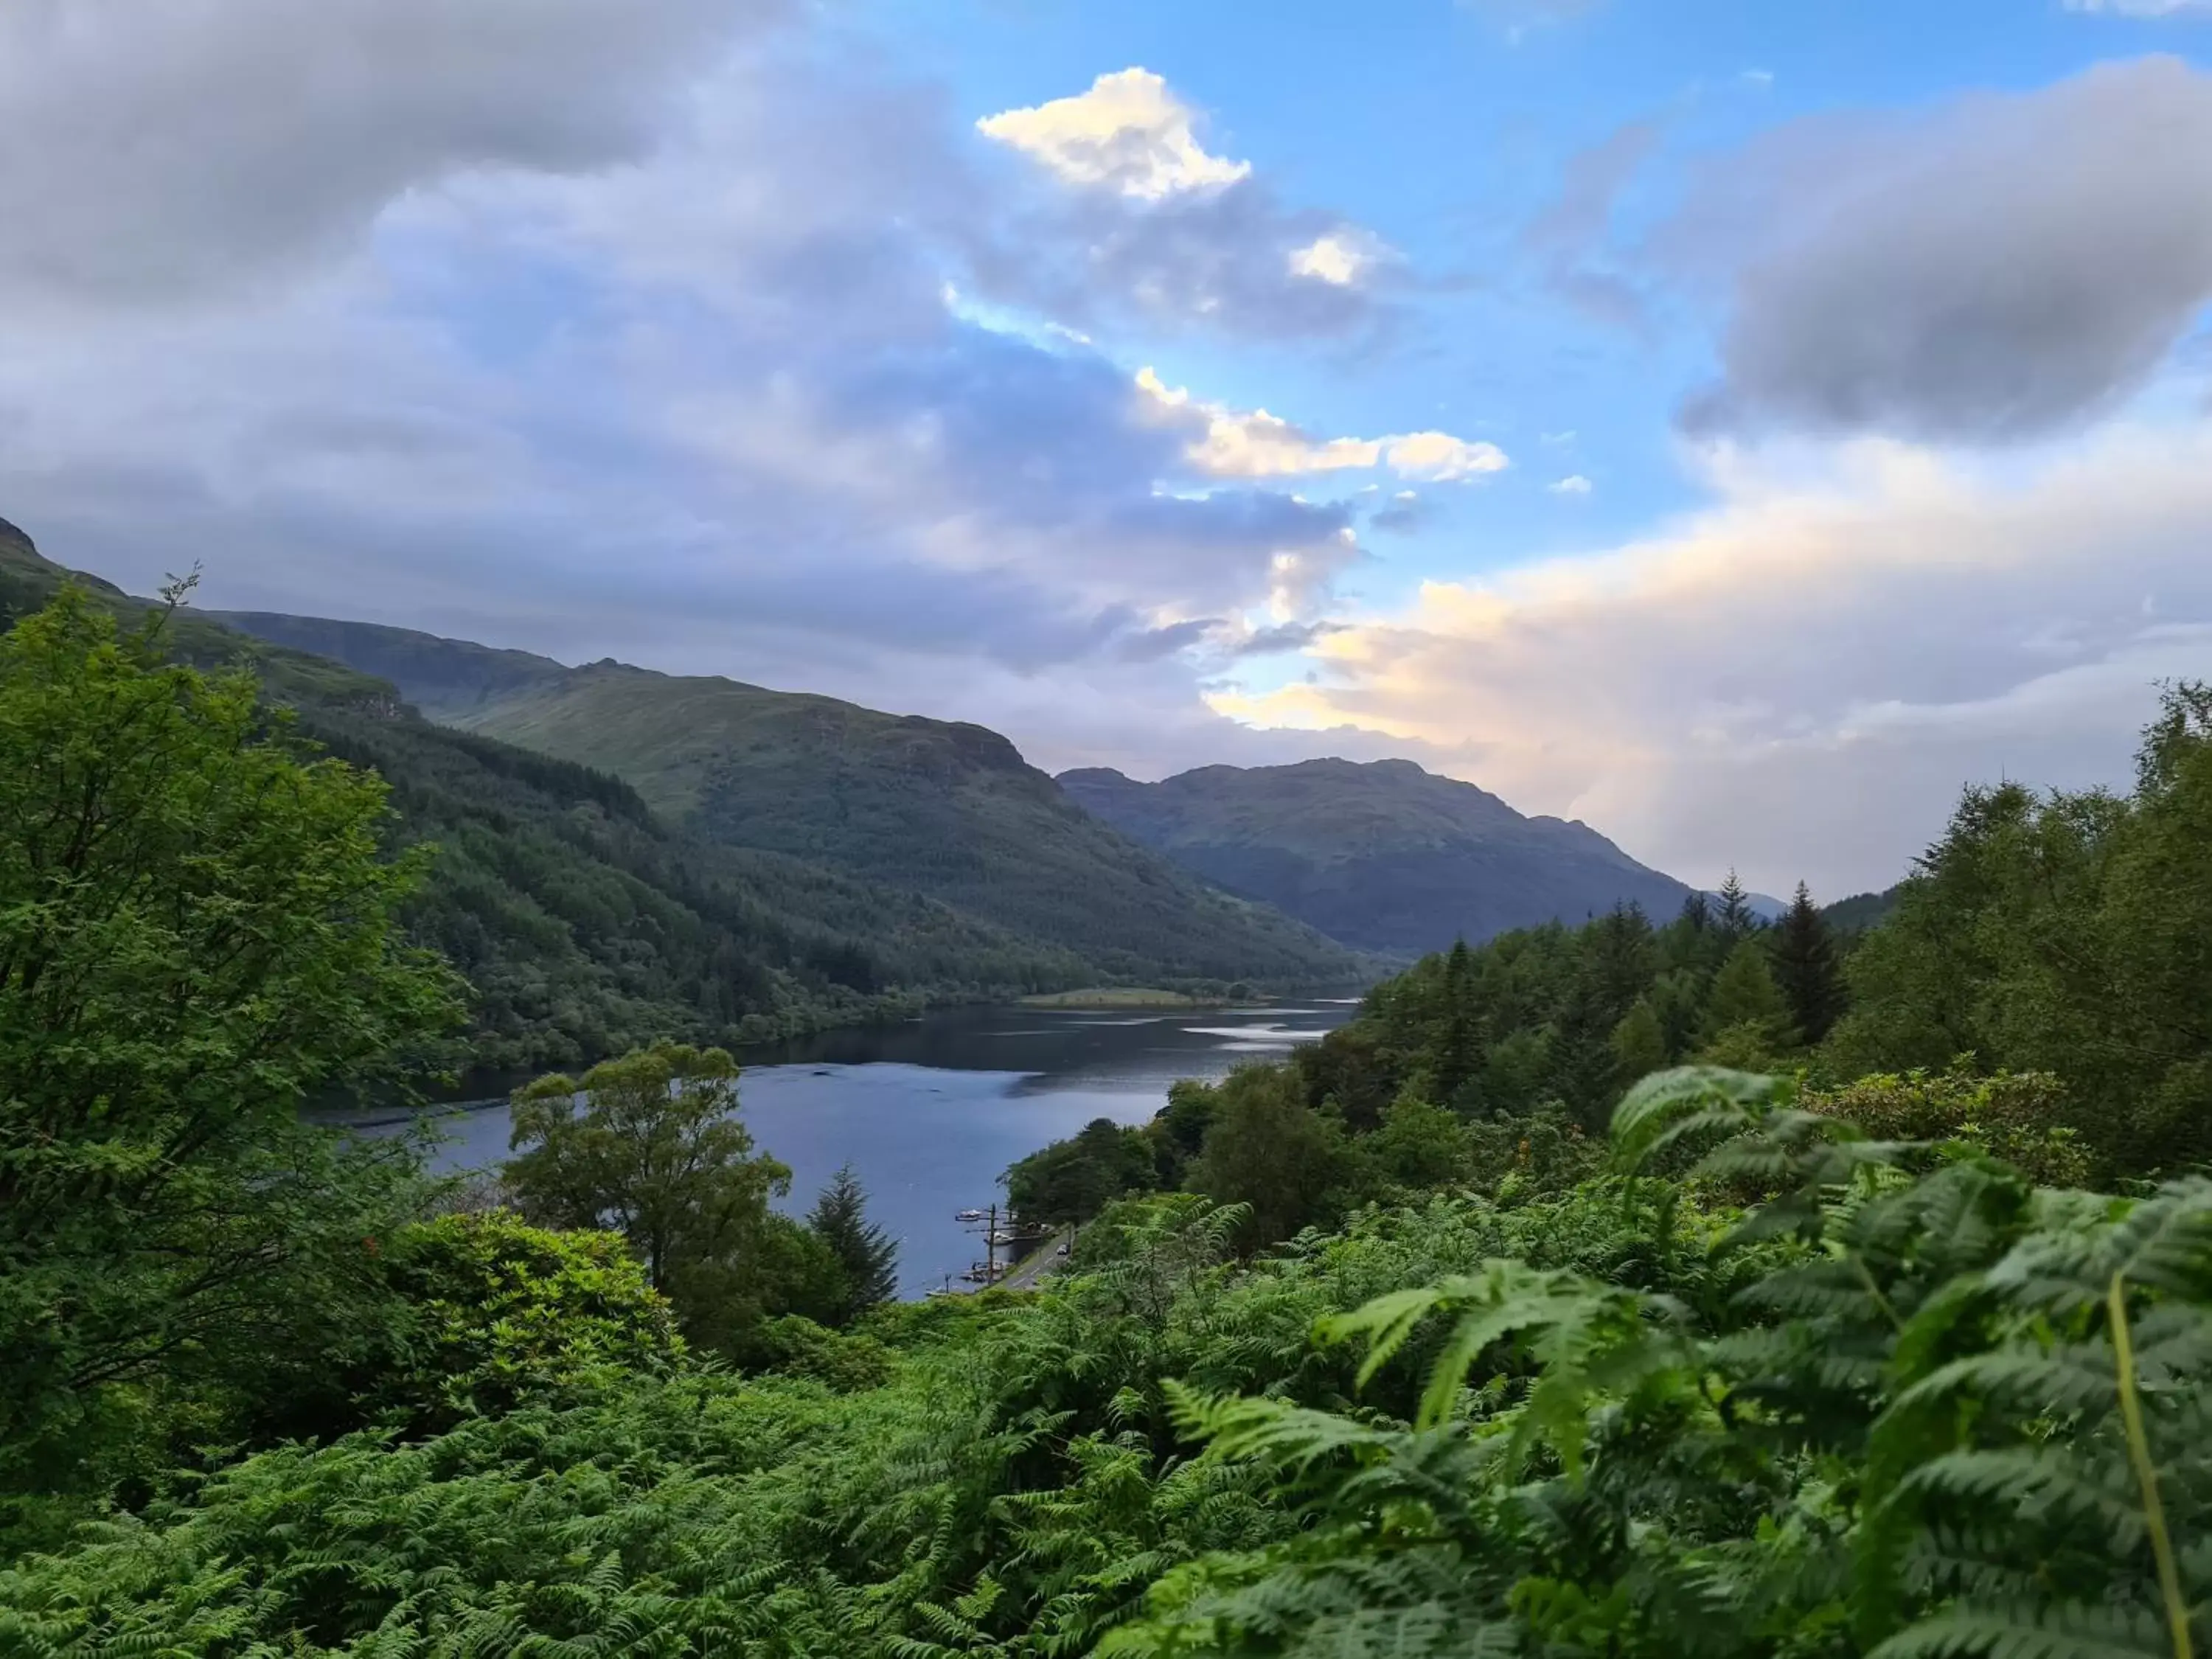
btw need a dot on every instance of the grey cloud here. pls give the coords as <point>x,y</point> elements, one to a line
<point>740,412</point>
<point>709,411</point>
<point>1217,260</point>
<point>1568,237</point>
<point>189,147</point>
<point>1589,185</point>
<point>1285,636</point>
<point>1999,270</point>
<point>1402,517</point>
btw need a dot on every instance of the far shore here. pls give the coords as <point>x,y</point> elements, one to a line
<point>1127,996</point>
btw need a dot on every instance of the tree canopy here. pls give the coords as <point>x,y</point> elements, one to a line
<point>198,933</point>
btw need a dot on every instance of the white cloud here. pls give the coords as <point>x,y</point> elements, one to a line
<point>1573,484</point>
<point>1127,133</point>
<point>1341,257</point>
<point>1800,679</point>
<point>1255,444</point>
<point>2141,8</point>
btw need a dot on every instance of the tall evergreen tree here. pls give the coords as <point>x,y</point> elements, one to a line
<point>1806,968</point>
<point>868,1254</point>
<point>1736,919</point>
<point>1459,1050</point>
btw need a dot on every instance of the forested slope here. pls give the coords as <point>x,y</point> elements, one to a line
<point>585,925</point>
<point>1382,855</point>
<point>936,807</point>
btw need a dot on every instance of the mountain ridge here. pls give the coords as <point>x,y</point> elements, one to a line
<point>1384,855</point>
<point>949,810</point>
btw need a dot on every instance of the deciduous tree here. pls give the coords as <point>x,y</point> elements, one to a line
<point>198,930</point>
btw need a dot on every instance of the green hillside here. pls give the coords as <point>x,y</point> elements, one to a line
<point>583,923</point>
<point>1384,855</point>
<point>936,807</point>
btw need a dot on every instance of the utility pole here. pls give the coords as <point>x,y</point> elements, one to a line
<point>989,1220</point>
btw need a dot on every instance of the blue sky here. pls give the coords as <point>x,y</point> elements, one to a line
<point>1735,425</point>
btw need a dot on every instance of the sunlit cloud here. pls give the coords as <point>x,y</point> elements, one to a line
<point>1255,444</point>
<point>1800,677</point>
<point>1128,133</point>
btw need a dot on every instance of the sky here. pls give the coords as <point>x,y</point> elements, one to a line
<point>1737,425</point>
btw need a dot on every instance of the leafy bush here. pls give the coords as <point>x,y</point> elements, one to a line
<point>2022,1117</point>
<point>500,1311</point>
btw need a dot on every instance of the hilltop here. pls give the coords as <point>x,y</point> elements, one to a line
<point>1382,855</point>
<point>941,809</point>
<point>583,921</point>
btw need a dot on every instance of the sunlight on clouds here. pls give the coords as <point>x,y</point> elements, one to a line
<point>1844,639</point>
<point>1341,257</point>
<point>1128,133</point>
<point>1255,444</point>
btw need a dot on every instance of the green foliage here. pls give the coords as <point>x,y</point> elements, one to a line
<point>651,1145</point>
<point>796,1346</point>
<point>2022,1117</point>
<point>1420,1146</point>
<point>1954,1417</point>
<point>1639,1041</point>
<point>943,810</point>
<point>1908,1404</point>
<point>583,923</point>
<point>498,1311</point>
<point>1744,1008</point>
<point>867,1256</point>
<point>1806,968</point>
<point>197,932</point>
<point>1270,1152</point>
<point>2066,933</point>
<point>1071,1180</point>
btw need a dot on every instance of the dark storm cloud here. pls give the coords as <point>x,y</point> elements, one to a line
<point>1998,270</point>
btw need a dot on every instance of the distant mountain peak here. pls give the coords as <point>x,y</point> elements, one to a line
<point>1383,854</point>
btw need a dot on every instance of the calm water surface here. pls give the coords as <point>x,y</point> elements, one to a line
<point>931,1113</point>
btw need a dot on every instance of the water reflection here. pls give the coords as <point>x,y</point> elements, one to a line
<point>932,1111</point>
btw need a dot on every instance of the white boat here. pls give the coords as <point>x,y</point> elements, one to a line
<point>968,1215</point>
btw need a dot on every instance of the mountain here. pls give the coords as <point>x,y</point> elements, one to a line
<point>1861,911</point>
<point>583,923</point>
<point>1382,855</point>
<point>940,808</point>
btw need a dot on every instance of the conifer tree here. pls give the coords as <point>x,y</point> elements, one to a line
<point>1459,1052</point>
<point>1736,920</point>
<point>867,1253</point>
<point>1746,1003</point>
<point>1806,968</point>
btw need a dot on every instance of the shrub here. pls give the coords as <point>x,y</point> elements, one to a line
<point>500,1311</point>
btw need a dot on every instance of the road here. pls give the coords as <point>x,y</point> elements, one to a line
<point>1027,1272</point>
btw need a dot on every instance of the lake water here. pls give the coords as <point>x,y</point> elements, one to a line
<point>930,1113</point>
